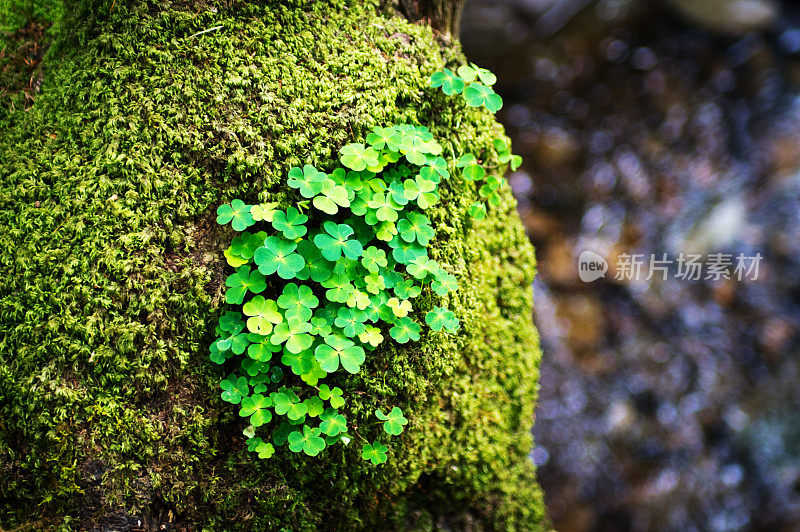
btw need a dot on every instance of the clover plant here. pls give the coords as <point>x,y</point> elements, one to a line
<point>475,86</point>
<point>321,284</point>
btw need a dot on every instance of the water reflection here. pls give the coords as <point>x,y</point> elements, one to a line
<point>665,404</point>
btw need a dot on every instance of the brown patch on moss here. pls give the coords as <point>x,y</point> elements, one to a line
<point>20,62</point>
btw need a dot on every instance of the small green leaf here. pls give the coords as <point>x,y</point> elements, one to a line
<point>448,81</point>
<point>357,157</point>
<point>394,421</point>
<point>375,452</point>
<point>404,330</point>
<point>237,213</point>
<point>290,223</point>
<point>263,315</point>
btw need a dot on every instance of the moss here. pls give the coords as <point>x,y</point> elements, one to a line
<point>111,263</point>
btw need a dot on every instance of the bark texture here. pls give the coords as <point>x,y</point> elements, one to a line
<point>111,273</point>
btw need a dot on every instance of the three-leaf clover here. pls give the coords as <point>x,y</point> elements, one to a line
<point>338,349</point>
<point>469,73</point>
<point>417,227</point>
<point>448,81</point>
<point>394,421</point>
<point>240,282</point>
<point>333,396</point>
<point>357,157</point>
<point>439,318</point>
<point>333,423</point>
<point>308,180</point>
<point>277,255</point>
<point>404,330</point>
<point>373,259</point>
<point>255,407</point>
<point>290,223</point>
<point>234,389</point>
<point>308,441</point>
<point>351,320</point>
<point>336,242</point>
<point>477,94</point>
<point>421,190</point>
<point>236,212</point>
<point>331,197</point>
<point>294,332</point>
<point>287,404</point>
<point>263,314</point>
<point>374,452</point>
<point>298,301</point>
<point>422,267</point>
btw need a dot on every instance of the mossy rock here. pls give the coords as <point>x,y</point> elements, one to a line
<point>111,268</point>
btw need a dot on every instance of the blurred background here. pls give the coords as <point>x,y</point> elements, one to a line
<point>653,126</point>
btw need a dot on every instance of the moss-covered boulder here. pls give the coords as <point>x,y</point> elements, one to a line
<point>150,115</point>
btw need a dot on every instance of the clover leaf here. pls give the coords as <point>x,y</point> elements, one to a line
<point>381,137</point>
<point>335,243</point>
<point>339,288</point>
<point>255,407</point>
<point>313,375</point>
<point>469,73</point>
<point>417,227</point>
<point>404,330</point>
<point>290,223</point>
<point>263,212</point>
<point>373,259</point>
<point>448,81</point>
<point>263,314</point>
<point>444,283</point>
<point>385,208</point>
<point>288,405</point>
<point>400,309</point>
<point>234,389</point>
<point>265,450</point>
<point>308,441</point>
<point>477,94</point>
<point>477,210</point>
<point>394,421</point>
<point>473,172</point>
<point>422,267</point>
<point>294,333</point>
<point>333,423</point>
<point>334,396</point>
<point>415,149</point>
<point>375,452</point>
<point>439,318</point>
<point>358,300</point>
<point>240,282</point>
<point>332,196</point>
<point>298,301</point>
<point>236,212</point>
<point>338,349</point>
<point>421,190</point>
<point>301,363</point>
<point>261,349</point>
<point>436,169</point>
<point>371,336</point>
<point>351,321</point>
<point>406,289</point>
<point>405,252</point>
<point>374,284</point>
<point>277,255</point>
<point>317,268</point>
<point>357,157</point>
<point>308,180</point>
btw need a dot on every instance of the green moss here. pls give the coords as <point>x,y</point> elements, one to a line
<point>111,263</point>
